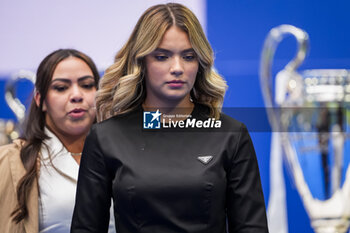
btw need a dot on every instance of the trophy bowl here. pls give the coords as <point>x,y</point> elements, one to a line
<point>310,111</point>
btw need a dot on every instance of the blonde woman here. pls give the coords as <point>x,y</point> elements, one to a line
<point>195,170</point>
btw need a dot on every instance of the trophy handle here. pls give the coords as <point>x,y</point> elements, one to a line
<point>10,93</point>
<point>274,37</point>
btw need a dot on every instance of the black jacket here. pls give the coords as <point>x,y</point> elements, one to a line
<point>159,184</point>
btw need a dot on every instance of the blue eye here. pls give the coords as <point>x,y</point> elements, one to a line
<point>189,57</point>
<point>160,57</point>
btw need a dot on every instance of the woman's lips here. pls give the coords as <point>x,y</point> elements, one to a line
<point>176,84</point>
<point>77,113</point>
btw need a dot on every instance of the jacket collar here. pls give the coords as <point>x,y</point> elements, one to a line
<point>54,153</point>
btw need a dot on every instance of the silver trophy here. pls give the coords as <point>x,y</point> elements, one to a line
<point>310,110</point>
<point>9,129</point>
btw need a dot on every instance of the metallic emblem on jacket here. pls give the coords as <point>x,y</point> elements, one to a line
<point>310,110</point>
<point>205,159</point>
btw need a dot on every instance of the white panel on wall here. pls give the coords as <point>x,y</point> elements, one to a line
<point>29,30</point>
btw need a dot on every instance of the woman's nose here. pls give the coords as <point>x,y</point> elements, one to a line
<point>76,95</point>
<point>177,67</point>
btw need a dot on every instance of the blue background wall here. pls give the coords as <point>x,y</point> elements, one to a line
<point>237,29</point>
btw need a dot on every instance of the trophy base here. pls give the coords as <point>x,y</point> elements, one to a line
<point>331,225</point>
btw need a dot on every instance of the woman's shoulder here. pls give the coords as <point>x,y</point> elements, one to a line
<point>225,123</point>
<point>12,149</point>
<point>10,160</point>
<point>230,124</point>
<point>230,121</point>
<point>121,120</point>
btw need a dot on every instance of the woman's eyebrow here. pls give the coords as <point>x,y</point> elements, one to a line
<point>189,50</point>
<point>85,77</point>
<point>162,50</point>
<point>66,80</point>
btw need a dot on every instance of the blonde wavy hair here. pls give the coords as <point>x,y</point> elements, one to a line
<point>122,88</point>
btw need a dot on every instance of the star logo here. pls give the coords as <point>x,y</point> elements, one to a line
<point>156,115</point>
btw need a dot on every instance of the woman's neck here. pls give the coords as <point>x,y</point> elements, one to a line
<point>73,144</point>
<point>170,111</point>
<point>176,110</point>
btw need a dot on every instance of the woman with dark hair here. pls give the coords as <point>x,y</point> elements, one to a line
<point>39,172</point>
<point>187,178</point>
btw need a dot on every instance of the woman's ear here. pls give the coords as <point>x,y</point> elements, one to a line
<point>37,98</point>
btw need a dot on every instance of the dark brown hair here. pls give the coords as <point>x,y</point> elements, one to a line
<point>34,134</point>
